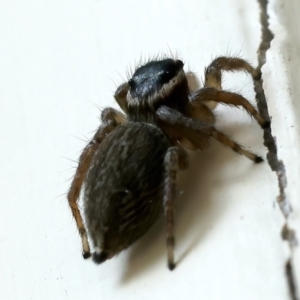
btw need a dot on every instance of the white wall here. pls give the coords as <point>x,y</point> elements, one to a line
<point>59,62</point>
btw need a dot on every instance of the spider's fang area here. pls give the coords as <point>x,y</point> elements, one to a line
<point>86,254</point>
<point>171,266</point>
<point>99,258</point>
<point>258,159</point>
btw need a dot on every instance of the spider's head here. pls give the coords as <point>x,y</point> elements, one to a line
<point>153,84</point>
<point>155,79</point>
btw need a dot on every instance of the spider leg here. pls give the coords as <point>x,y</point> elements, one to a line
<point>120,95</point>
<point>213,73</point>
<point>174,121</point>
<point>110,120</point>
<point>212,94</point>
<point>222,138</point>
<point>175,159</point>
<point>203,100</point>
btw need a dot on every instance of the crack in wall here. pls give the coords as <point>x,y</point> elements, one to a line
<point>276,165</point>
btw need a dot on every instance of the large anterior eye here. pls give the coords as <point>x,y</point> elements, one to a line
<point>166,76</point>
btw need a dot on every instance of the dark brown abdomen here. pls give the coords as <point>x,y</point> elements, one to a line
<point>123,194</point>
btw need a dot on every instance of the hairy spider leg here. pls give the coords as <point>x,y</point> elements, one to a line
<point>110,118</point>
<point>174,121</point>
<point>120,95</point>
<point>175,159</point>
<point>213,73</point>
<point>222,138</point>
<point>212,92</point>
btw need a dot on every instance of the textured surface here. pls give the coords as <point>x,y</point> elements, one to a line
<point>283,94</point>
<point>58,61</point>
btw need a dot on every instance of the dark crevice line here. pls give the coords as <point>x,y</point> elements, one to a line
<point>291,279</point>
<point>276,165</point>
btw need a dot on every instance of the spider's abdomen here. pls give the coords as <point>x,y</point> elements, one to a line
<point>124,186</point>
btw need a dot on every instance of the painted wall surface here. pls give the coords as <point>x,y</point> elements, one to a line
<point>60,63</point>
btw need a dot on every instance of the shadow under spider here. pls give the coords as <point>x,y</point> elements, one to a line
<point>195,213</point>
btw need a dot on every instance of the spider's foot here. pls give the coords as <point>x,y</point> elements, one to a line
<point>256,74</point>
<point>266,124</point>
<point>86,254</point>
<point>258,159</point>
<point>171,266</point>
<point>99,258</point>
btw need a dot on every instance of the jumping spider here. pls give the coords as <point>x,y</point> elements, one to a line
<point>129,167</point>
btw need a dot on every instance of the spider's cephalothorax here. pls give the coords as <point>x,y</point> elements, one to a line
<point>129,167</point>
<point>158,82</point>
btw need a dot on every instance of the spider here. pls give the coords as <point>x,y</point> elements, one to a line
<point>129,167</point>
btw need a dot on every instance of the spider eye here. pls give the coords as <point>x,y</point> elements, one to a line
<point>166,77</point>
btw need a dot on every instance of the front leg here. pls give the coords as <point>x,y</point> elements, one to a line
<point>175,123</point>
<point>212,94</point>
<point>213,73</point>
<point>110,118</point>
<point>175,159</point>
